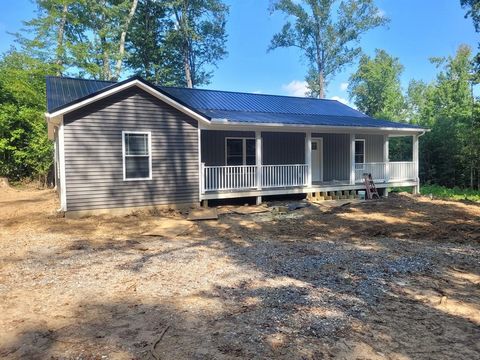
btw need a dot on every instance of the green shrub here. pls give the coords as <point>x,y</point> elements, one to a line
<point>455,193</point>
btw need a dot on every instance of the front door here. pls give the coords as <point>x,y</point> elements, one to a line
<point>317,159</point>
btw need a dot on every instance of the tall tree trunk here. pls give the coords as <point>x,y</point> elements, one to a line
<point>182,20</point>
<point>188,70</point>
<point>60,51</point>
<point>106,74</point>
<point>321,85</point>
<point>123,36</point>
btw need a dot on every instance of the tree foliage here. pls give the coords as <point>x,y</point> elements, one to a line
<point>327,32</point>
<point>24,147</point>
<point>150,55</point>
<point>375,86</point>
<point>451,151</point>
<point>473,11</point>
<point>199,37</point>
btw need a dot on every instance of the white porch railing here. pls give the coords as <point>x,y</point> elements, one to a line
<point>229,177</point>
<point>244,177</point>
<point>402,170</point>
<point>386,172</point>
<point>284,175</point>
<point>216,178</point>
<point>377,169</point>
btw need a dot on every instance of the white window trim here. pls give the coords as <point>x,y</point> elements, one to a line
<point>149,135</point>
<point>355,155</point>
<point>244,148</point>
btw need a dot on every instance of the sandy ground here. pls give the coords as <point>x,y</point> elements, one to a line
<point>395,279</point>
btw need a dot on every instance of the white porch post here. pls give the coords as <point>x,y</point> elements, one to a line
<point>258,158</point>
<point>415,163</point>
<point>386,158</point>
<point>352,159</point>
<point>308,157</point>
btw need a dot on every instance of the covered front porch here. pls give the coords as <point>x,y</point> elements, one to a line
<point>256,163</point>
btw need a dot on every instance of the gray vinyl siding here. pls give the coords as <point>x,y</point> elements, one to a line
<point>283,148</point>
<point>93,153</point>
<point>336,156</point>
<point>373,147</point>
<point>213,145</point>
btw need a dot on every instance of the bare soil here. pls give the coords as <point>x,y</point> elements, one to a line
<point>394,279</point>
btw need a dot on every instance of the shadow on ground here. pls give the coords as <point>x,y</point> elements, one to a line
<point>394,279</point>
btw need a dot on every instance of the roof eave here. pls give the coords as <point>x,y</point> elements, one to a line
<point>227,123</point>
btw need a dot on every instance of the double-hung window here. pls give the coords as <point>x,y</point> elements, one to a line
<point>359,153</point>
<point>240,151</point>
<point>137,155</point>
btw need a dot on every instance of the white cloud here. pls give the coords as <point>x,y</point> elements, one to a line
<point>381,12</point>
<point>295,88</point>
<point>258,92</point>
<point>344,86</point>
<point>342,100</point>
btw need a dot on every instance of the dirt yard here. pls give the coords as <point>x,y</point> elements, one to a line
<point>394,279</point>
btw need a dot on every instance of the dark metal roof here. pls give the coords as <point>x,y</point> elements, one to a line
<point>229,106</point>
<point>300,119</point>
<point>63,90</point>
<point>246,102</point>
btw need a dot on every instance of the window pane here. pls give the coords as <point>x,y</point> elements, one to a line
<point>359,152</point>
<point>234,160</point>
<point>234,152</point>
<point>250,147</point>
<point>136,144</point>
<point>234,147</point>
<point>137,167</point>
<point>359,147</point>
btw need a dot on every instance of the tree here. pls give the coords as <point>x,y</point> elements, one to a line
<point>473,11</point>
<point>149,54</point>
<point>87,36</point>
<point>199,37</point>
<point>328,41</point>
<point>450,152</point>
<point>375,86</point>
<point>25,150</point>
<point>53,29</point>
<point>101,51</point>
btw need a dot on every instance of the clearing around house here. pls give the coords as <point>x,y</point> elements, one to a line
<point>396,278</point>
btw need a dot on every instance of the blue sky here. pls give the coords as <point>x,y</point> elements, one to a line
<point>419,29</point>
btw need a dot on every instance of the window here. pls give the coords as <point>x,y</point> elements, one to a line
<point>239,151</point>
<point>359,151</point>
<point>137,159</point>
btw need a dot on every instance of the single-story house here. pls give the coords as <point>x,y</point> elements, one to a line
<point>132,144</point>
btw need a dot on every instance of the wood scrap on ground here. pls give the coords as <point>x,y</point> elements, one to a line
<point>203,214</point>
<point>169,228</point>
<point>246,210</point>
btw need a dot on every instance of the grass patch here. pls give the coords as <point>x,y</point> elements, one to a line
<point>450,193</point>
<point>398,189</point>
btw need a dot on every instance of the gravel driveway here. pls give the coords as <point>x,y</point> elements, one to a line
<point>396,279</point>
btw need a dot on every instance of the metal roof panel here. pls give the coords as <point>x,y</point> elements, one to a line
<point>230,106</point>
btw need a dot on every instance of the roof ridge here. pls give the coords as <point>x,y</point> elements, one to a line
<point>244,92</point>
<point>79,79</point>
